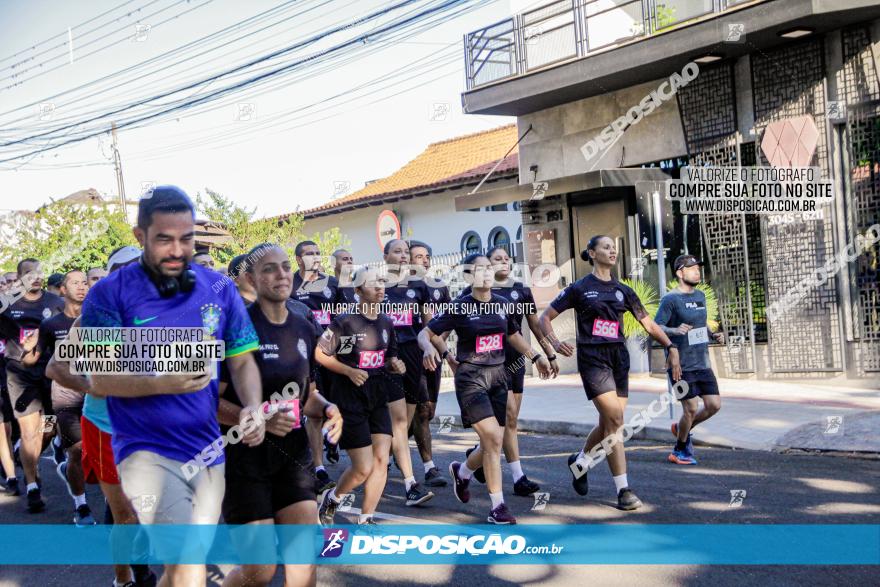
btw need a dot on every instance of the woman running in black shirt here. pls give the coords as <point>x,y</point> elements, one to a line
<point>272,483</point>
<point>599,302</point>
<point>360,350</point>
<point>484,331</point>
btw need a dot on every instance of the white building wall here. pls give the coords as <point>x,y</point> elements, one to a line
<point>431,219</point>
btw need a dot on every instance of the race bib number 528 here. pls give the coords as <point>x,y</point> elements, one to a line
<point>371,359</point>
<point>606,328</point>
<point>489,343</point>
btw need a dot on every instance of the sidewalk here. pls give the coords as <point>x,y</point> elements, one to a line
<point>757,415</point>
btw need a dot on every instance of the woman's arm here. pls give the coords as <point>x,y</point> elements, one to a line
<point>563,348</point>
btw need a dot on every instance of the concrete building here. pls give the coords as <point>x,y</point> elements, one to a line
<point>568,70</point>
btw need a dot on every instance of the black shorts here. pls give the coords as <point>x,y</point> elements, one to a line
<point>410,382</point>
<point>431,383</point>
<point>323,382</point>
<point>700,382</point>
<point>481,391</point>
<point>364,409</point>
<point>68,420</point>
<point>603,368</point>
<point>264,479</point>
<point>515,367</point>
<point>28,392</point>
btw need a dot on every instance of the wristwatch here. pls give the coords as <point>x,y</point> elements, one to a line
<point>553,358</point>
<point>444,355</point>
<point>535,358</point>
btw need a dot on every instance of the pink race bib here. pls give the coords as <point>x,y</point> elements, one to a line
<point>322,317</point>
<point>401,318</point>
<point>23,333</point>
<point>489,343</point>
<point>371,359</point>
<point>606,328</point>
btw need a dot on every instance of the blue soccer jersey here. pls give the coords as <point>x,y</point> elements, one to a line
<point>175,426</point>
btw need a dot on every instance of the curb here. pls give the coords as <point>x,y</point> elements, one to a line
<point>658,434</point>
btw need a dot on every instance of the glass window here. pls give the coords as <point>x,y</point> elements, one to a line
<point>471,243</point>
<point>499,237</point>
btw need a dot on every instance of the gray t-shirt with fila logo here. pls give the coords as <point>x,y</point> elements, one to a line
<point>677,308</point>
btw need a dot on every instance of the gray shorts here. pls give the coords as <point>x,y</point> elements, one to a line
<point>160,494</point>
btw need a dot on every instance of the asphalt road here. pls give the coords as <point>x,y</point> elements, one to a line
<point>780,488</point>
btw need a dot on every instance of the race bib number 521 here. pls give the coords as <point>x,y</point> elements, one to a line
<point>606,328</point>
<point>489,343</point>
<point>371,359</point>
<point>401,318</point>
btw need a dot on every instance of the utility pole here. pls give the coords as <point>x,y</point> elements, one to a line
<point>117,163</point>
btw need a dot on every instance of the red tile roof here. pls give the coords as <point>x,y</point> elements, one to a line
<point>456,160</point>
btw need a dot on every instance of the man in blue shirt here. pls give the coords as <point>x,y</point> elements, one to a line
<point>682,316</point>
<point>161,422</point>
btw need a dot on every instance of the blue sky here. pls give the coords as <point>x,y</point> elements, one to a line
<point>300,161</point>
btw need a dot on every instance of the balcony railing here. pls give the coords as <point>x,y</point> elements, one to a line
<point>567,29</point>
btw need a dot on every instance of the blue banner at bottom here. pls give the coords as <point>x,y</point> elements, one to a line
<point>609,544</point>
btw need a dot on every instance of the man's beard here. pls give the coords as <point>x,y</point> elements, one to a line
<point>692,283</point>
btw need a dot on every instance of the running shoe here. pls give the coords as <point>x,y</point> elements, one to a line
<point>327,511</point>
<point>332,452</point>
<point>501,515</point>
<point>524,487</point>
<point>84,517</point>
<point>679,457</point>
<point>368,522</point>
<point>581,484</point>
<point>143,576</point>
<point>12,487</point>
<point>35,501</point>
<point>433,478</point>
<point>61,469</point>
<point>58,454</point>
<point>479,474</point>
<point>690,440</point>
<point>459,485</point>
<point>126,584</point>
<point>323,482</point>
<point>627,500</point>
<point>417,495</point>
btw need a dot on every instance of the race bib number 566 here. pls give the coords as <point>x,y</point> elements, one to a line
<point>489,343</point>
<point>606,328</point>
<point>371,359</point>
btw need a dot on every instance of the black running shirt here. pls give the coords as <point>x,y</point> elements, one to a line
<point>518,297</point>
<point>359,342</point>
<point>22,318</point>
<point>599,307</point>
<point>482,331</point>
<point>317,295</point>
<point>410,299</point>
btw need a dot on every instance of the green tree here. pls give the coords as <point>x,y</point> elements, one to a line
<point>248,232</point>
<point>64,236</point>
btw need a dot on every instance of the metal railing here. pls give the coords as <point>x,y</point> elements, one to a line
<point>568,29</point>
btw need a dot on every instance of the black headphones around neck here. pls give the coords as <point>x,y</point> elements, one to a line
<point>170,286</point>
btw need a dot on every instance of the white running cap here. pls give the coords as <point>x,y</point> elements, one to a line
<point>123,256</point>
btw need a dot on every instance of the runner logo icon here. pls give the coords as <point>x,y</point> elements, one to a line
<point>334,540</point>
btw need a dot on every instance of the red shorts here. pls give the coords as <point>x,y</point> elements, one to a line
<point>97,455</point>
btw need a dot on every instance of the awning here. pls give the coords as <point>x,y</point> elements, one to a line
<point>600,178</point>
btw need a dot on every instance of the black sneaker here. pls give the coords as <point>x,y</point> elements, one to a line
<point>143,576</point>
<point>459,485</point>
<point>433,478</point>
<point>580,484</point>
<point>332,452</point>
<point>417,495</point>
<point>35,502</point>
<point>524,487</point>
<point>627,500</point>
<point>479,474</point>
<point>83,517</point>
<point>58,454</point>
<point>368,522</point>
<point>327,510</point>
<point>501,515</point>
<point>323,482</point>
<point>12,487</point>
